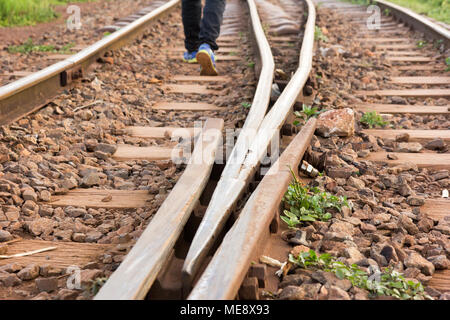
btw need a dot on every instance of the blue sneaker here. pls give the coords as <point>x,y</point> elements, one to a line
<point>207,60</point>
<point>190,57</point>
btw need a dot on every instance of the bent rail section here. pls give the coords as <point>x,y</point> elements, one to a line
<point>135,275</point>
<point>30,93</point>
<point>230,187</point>
<point>140,268</point>
<point>226,271</point>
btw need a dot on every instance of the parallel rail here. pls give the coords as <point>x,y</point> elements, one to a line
<point>30,93</point>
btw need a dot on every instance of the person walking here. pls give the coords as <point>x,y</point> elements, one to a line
<point>201,32</point>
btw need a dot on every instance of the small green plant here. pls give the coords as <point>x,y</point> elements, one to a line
<point>421,43</point>
<point>232,53</point>
<point>246,105</point>
<point>447,62</point>
<point>251,64</point>
<point>105,34</point>
<point>388,282</point>
<point>387,11</point>
<point>96,285</point>
<point>308,204</point>
<point>307,112</point>
<point>372,119</point>
<point>318,35</point>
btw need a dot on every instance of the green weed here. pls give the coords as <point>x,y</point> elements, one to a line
<point>421,43</point>
<point>388,282</point>
<point>319,36</point>
<point>305,204</point>
<point>372,119</point>
<point>447,62</point>
<point>307,112</point>
<point>246,105</point>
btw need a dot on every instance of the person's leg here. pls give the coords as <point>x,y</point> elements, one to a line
<point>191,12</point>
<point>211,21</point>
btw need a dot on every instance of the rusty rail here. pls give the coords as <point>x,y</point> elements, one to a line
<point>30,93</point>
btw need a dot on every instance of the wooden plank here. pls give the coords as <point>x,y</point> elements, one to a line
<point>221,50</point>
<point>188,78</point>
<point>400,108</point>
<point>159,132</point>
<point>243,243</point>
<point>66,253</point>
<point>402,53</point>
<point>436,208</point>
<point>138,271</point>
<point>414,135</point>
<point>17,73</point>
<point>407,93</point>
<point>57,56</point>
<point>189,88</point>
<point>409,59</point>
<point>129,153</point>
<point>382,40</point>
<point>421,80</point>
<point>419,67</point>
<point>92,198</point>
<point>422,160</point>
<point>395,46</point>
<point>440,280</point>
<point>190,106</point>
<point>219,58</point>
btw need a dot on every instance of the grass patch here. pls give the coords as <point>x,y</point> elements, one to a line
<point>29,47</point>
<point>305,204</point>
<point>436,9</point>
<point>29,12</point>
<point>387,282</point>
<point>372,119</point>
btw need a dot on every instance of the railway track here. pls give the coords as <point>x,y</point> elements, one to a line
<point>205,238</point>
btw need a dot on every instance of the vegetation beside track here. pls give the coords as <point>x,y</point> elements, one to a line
<point>436,9</point>
<point>29,12</point>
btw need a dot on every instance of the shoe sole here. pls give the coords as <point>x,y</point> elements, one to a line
<point>207,66</point>
<point>190,61</point>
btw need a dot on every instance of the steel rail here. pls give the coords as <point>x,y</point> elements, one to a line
<point>21,97</point>
<point>138,271</point>
<point>417,21</point>
<point>226,196</point>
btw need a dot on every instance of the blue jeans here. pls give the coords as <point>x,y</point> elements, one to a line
<point>198,30</point>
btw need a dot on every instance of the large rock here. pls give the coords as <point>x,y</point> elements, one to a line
<point>5,236</point>
<point>30,272</point>
<point>336,293</point>
<point>9,279</point>
<point>329,279</point>
<point>337,122</point>
<point>42,226</point>
<point>304,292</point>
<point>415,260</point>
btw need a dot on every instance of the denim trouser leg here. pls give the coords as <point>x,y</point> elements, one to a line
<point>191,12</point>
<point>208,29</point>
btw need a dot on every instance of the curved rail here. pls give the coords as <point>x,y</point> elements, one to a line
<point>417,21</point>
<point>230,187</point>
<point>28,94</point>
<point>138,271</point>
